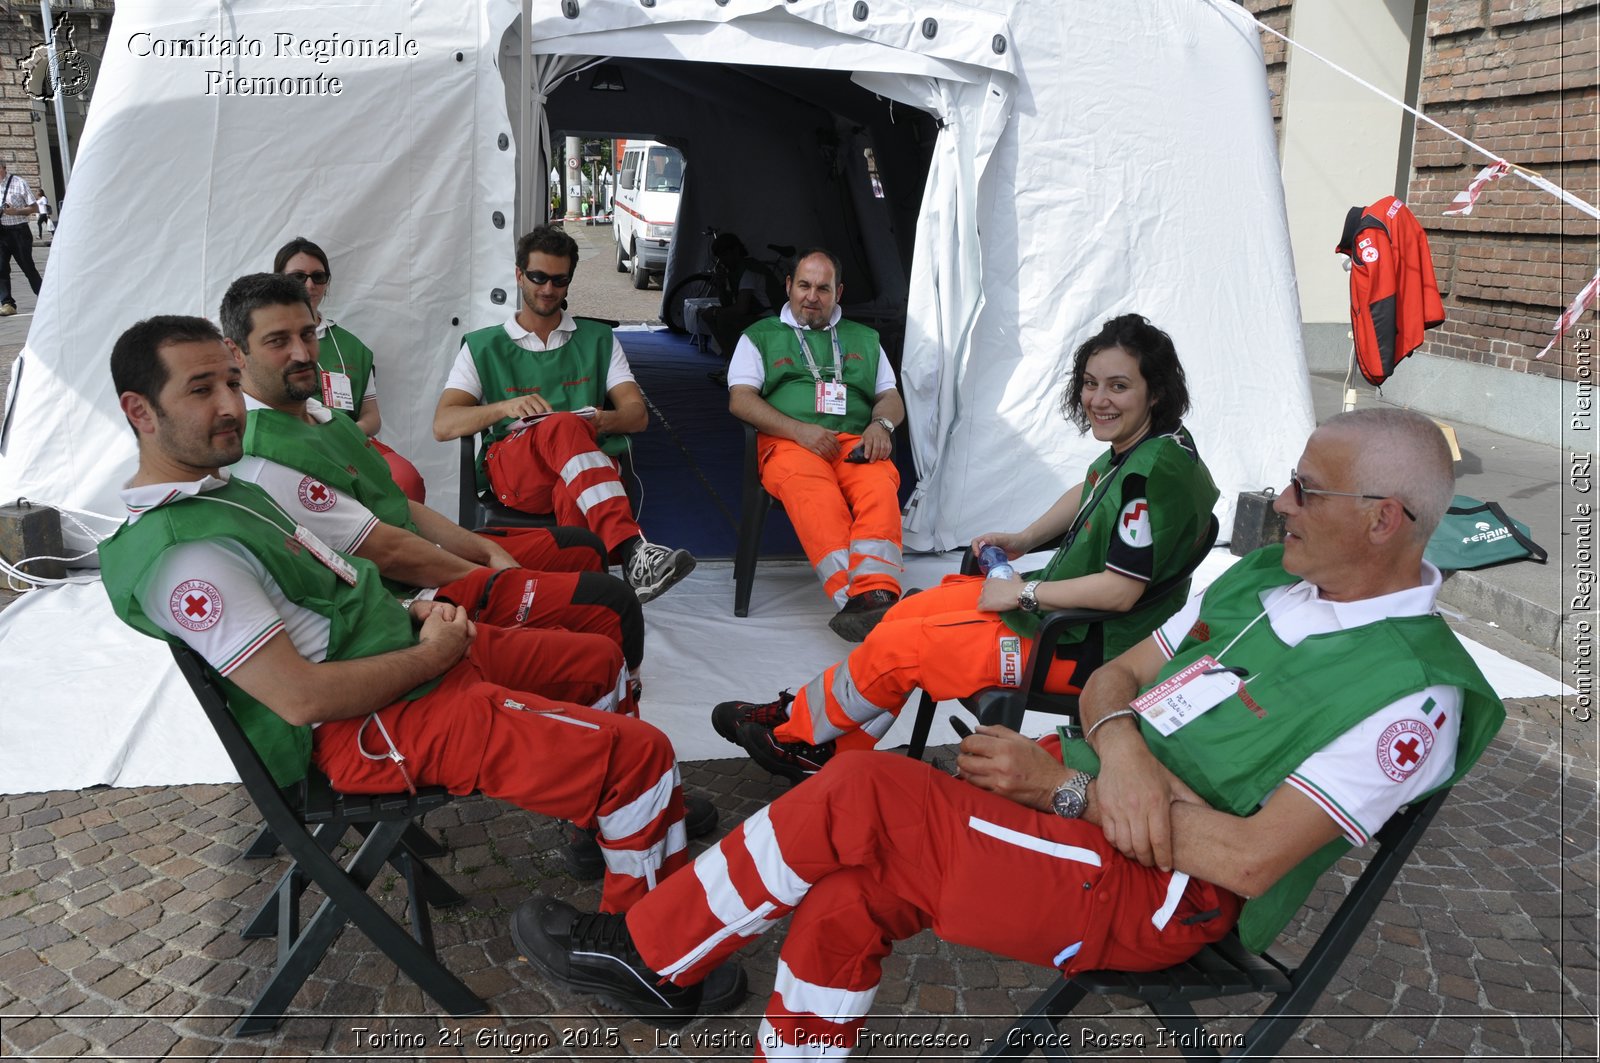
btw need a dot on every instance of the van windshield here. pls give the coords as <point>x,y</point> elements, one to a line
<point>663,172</point>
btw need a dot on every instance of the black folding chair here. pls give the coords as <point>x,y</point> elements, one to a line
<point>1228,969</point>
<point>309,819</point>
<point>752,521</point>
<point>1006,705</point>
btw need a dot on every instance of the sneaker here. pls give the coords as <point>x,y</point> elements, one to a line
<point>7,309</point>
<point>586,863</point>
<point>861,614</point>
<point>795,761</point>
<point>595,954</point>
<point>727,717</point>
<point>652,569</point>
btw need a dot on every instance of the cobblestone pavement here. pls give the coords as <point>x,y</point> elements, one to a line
<point>120,911</point>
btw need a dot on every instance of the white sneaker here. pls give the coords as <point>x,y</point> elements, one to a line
<point>653,569</point>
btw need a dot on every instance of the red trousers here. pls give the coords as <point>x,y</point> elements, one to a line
<point>878,847</point>
<point>847,516</point>
<point>587,601</point>
<point>558,467</point>
<point>936,640</point>
<point>405,474</point>
<point>510,720</point>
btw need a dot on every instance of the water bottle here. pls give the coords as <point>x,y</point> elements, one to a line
<point>994,563</point>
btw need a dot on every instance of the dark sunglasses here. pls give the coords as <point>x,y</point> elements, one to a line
<point>1301,490</point>
<point>321,276</point>
<point>538,277</point>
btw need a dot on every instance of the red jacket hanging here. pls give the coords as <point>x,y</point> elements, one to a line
<point>1393,293</point>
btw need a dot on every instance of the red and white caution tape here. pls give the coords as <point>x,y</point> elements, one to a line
<point>1575,311</point>
<point>1468,196</point>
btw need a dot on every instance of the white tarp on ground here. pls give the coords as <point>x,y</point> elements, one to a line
<point>1090,159</point>
<point>698,654</point>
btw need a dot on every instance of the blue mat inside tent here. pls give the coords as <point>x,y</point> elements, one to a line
<point>690,461</point>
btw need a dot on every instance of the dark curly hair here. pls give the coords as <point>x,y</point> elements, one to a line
<point>1158,364</point>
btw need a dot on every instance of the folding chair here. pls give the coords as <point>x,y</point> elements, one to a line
<point>1006,705</point>
<point>752,521</point>
<point>1227,969</point>
<point>309,819</point>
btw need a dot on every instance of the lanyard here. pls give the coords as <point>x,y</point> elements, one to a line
<point>1086,508</point>
<point>254,513</point>
<point>336,351</point>
<point>811,363</point>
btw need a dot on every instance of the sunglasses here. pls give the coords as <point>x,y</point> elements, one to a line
<point>538,277</point>
<point>321,276</point>
<point>1301,490</point>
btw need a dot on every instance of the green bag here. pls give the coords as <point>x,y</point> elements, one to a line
<point>1476,534</point>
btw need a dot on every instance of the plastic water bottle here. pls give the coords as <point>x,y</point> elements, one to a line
<point>994,563</point>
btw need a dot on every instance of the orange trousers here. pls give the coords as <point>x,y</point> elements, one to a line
<point>847,516</point>
<point>936,640</point>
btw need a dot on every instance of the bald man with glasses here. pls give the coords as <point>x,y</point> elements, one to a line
<point>537,388</point>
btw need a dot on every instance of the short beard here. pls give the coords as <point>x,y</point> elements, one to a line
<point>300,394</point>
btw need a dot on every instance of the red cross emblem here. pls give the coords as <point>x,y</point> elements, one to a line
<point>1402,748</point>
<point>196,604</point>
<point>316,496</point>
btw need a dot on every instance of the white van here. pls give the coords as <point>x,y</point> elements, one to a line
<point>645,207</point>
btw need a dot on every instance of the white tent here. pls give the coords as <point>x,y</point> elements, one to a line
<point>1074,160</point>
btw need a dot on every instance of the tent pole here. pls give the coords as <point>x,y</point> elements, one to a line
<point>528,148</point>
<point>60,99</point>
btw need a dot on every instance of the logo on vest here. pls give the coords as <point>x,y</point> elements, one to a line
<point>316,496</point>
<point>1201,632</point>
<point>1403,747</point>
<point>1133,526</point>
<point>196,604</point>
<point>1010,661</point>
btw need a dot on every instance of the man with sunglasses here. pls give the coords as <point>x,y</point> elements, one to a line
<point>537,388</point>
<point>1287,712</point>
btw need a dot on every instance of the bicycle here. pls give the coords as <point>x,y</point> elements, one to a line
<point>714,281</point>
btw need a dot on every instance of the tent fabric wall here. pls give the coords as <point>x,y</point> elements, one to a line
<point>1092,159</point>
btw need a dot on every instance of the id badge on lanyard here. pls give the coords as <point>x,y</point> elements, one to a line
<point>1187,694</point>
<point>336,393</point>
<point>831,398</point>
<point>326,554</point>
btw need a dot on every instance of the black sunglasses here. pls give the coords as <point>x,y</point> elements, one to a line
<point>538,277</point>
<point>321,276</point>
<point>1301,490</point>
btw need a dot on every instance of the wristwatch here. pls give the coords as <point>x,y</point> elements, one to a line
<point>888,425</point>
<point>1072,797</point>
<point>1027,599</point>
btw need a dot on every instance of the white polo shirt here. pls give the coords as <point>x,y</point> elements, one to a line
<point>1345,778</point>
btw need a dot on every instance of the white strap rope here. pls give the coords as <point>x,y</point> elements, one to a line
<point>18,580</point>
<point>1536,179</point>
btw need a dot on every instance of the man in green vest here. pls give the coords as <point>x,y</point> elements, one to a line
<point>321,664</point>
<point>1287,712</point>
<point>334,481</point>
<point>537,388</point>
<point>821,393</point>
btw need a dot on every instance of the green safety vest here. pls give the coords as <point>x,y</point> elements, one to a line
<point>364,620</point>
<point>1180,492</point>
<point>340,352</point>
<point>569,377</point>
<point>791,389</point>
<point>338,453</point>
<point>1303,697</point>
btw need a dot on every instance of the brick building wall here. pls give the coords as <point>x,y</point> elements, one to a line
<point>1522,79</point>
<point>21,29</point>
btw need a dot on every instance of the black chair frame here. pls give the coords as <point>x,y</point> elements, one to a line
<point>309,820</point>
<point>1007,705</point>
<point>752,521</point>
<point>1228,969</point>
